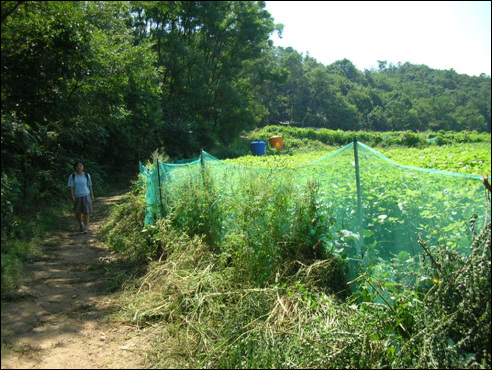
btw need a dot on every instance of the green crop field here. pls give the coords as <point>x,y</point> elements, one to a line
<point>464,158</point>
<point>468,158</point>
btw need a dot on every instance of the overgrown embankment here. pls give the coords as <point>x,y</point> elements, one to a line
<point>229,305</point>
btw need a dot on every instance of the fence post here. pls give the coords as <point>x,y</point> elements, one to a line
<point>161,205</point>
<point>359,199</point>
<point>202,165</point>
<point>202,161</point>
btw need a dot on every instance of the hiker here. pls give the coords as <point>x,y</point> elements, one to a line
<point>80,185</point>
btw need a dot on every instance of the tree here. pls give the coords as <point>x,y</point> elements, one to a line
<point>67,69</point>
<point>206,58</point>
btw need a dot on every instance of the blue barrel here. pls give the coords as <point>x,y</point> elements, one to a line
<point>258,147</point>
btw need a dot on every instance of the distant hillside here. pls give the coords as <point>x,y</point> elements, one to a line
<point>391,98</point>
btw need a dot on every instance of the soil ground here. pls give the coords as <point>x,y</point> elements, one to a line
<point>62,314</point>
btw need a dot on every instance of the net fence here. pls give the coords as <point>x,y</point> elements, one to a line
<point>355,202</point>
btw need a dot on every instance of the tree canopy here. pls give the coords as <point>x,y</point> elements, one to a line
<point>109,82</point>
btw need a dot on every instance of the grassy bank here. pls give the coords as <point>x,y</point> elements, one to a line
<point>265,297</point>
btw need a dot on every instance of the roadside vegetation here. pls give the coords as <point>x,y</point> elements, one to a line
<point>245,303</point>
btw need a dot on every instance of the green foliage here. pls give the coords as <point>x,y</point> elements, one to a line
<point>294,323</point>
<point>109,82</point>
<point>468,158</point>
<point>11,271</point>
<point>402,97</point>
<point>207,55</point>
<point>238,300</point>
<point>253,225</point>
<point>310,225</point>
<point>443,321</point>
<point>215,293</point>
<point>15,253</point>
<point>297,139</point>
<point>124,231</point>
<point>246,267</point>
<point>11,194</point>
<point>67,70</point>
<point>456,306</point>
<point>133,76</point>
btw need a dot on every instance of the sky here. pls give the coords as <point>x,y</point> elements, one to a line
<point>440,34</point>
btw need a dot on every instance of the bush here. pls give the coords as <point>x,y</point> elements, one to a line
<point>457,306</point>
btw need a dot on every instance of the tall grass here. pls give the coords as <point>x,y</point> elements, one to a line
<point>254,287</point>
<point>255,222</point>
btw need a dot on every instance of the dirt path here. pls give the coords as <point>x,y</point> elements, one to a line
<point>59,316</point>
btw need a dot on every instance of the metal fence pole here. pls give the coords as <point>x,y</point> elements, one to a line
<point>359,199</point>
<point>161,205</point>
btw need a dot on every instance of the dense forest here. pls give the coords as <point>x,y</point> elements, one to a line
<point>109,82</point>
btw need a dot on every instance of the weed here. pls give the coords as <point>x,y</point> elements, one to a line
<point>245,271</point>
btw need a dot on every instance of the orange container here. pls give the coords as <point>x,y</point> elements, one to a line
<point>277,142</point>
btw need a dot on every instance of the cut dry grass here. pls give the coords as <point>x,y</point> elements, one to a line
<point>206,318</point>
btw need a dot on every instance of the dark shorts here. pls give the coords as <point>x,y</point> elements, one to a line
<point>83,205</point>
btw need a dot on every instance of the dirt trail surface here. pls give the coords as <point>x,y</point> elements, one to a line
<point>58,318</point>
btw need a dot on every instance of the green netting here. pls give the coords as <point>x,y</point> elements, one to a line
<point>378,220</point>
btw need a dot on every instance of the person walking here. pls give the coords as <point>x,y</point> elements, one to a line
<point>80,185</point>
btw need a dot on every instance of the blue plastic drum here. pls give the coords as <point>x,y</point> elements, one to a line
<point>258,147</point>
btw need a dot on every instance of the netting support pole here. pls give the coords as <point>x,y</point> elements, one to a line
<point>161,205</point>
<point>359,199</point>
<point>202,161</point>
<point>202,164</point>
